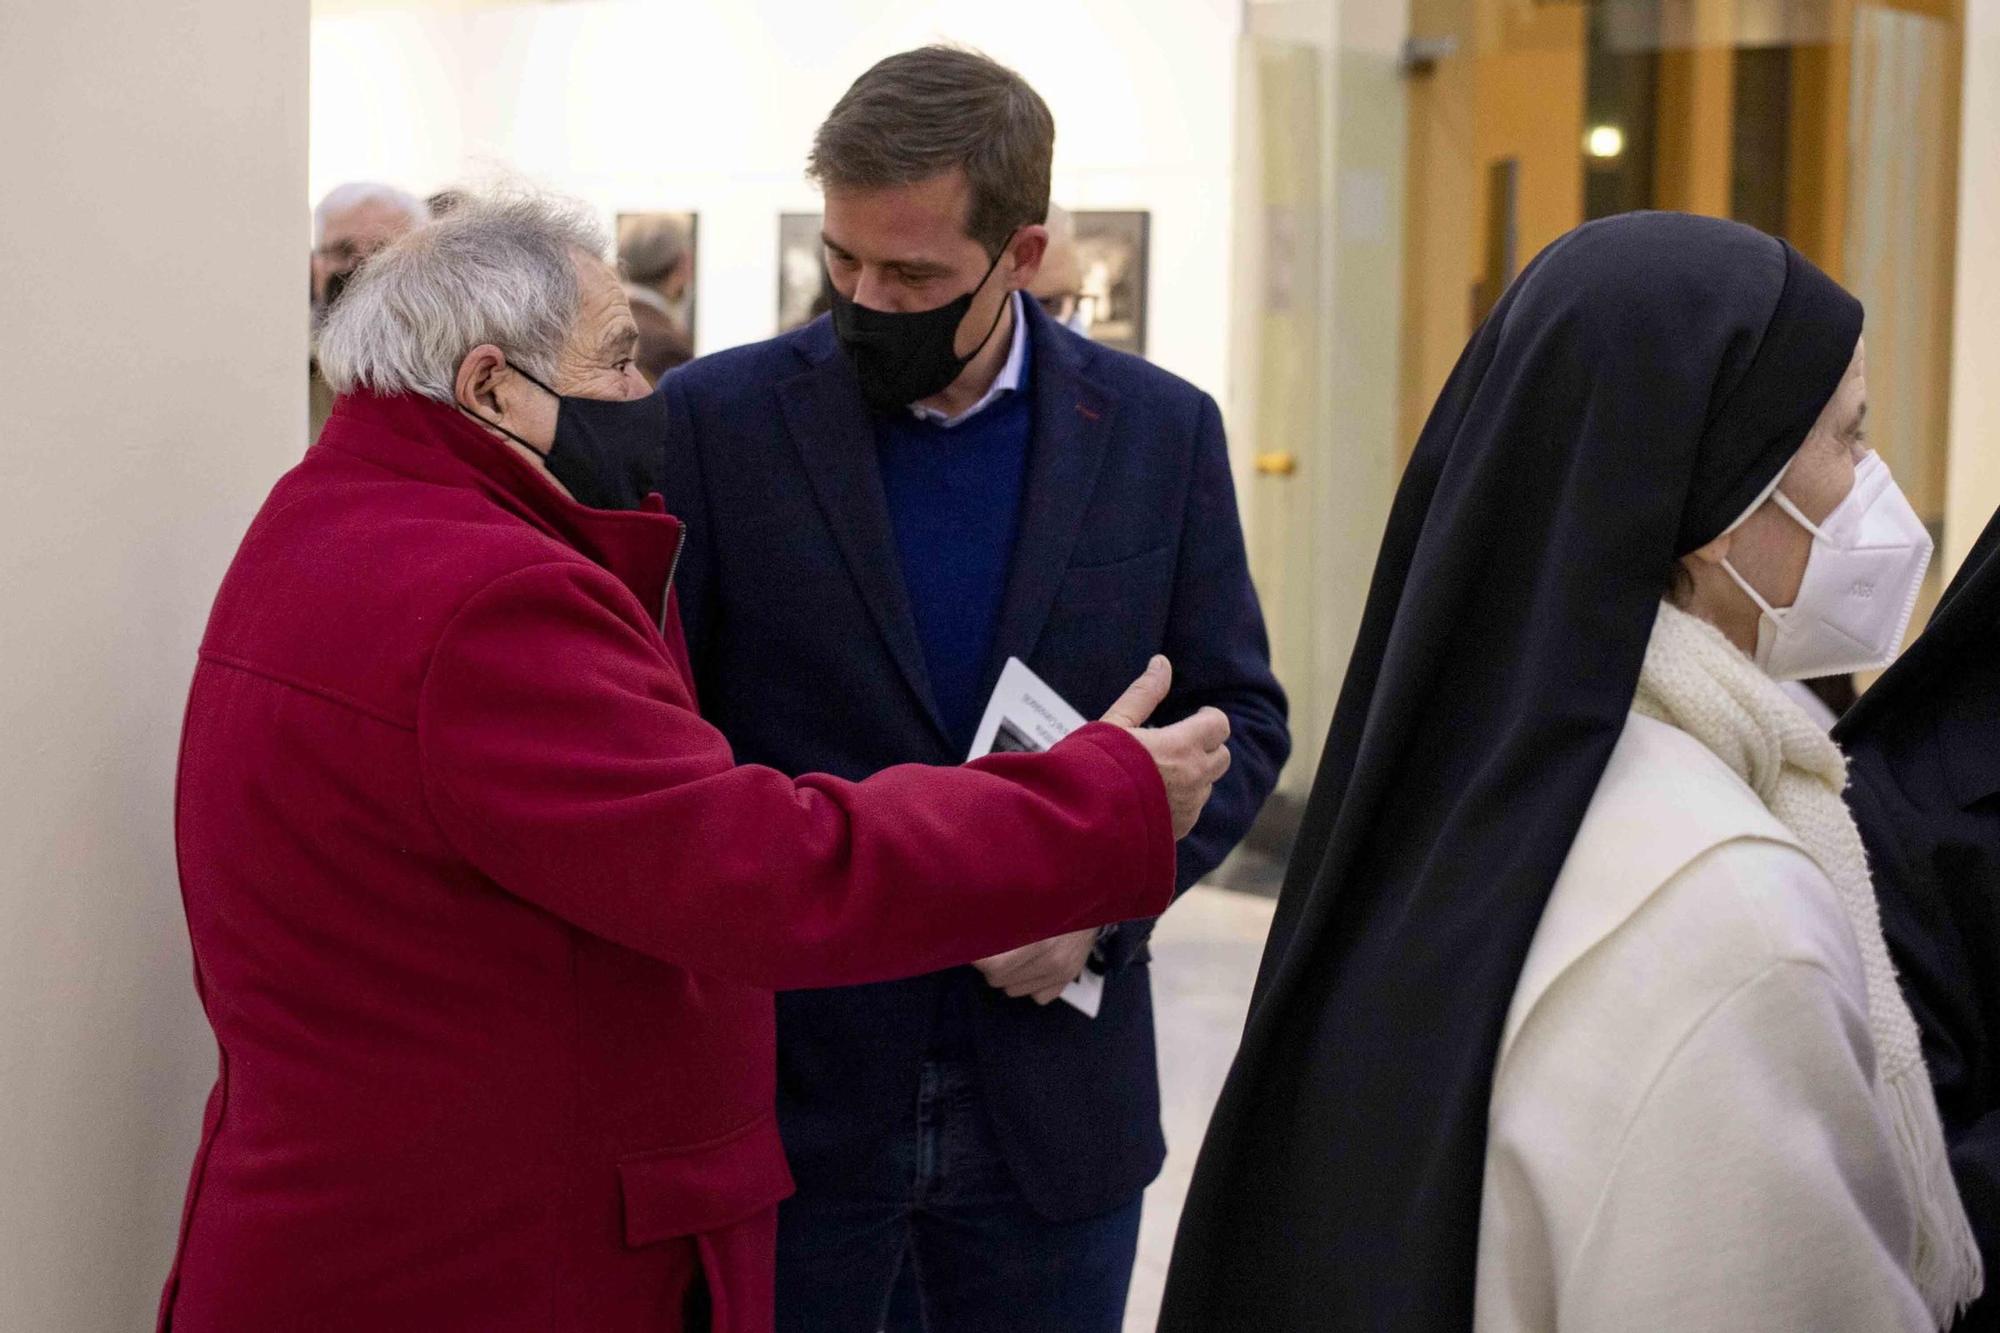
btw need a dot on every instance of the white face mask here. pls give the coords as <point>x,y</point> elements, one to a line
<point>1861,583</point>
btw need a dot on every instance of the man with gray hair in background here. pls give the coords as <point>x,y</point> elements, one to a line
<point>351,224</point>
<point>485,917</point>
<point>1058,287</point>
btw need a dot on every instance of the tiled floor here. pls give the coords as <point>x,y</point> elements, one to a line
<point>1205,956</point>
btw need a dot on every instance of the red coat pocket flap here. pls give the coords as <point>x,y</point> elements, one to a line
<point>686,1191</point>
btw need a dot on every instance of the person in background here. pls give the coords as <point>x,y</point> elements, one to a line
<point>1058,285</point>
<point>485,917</point>
<point>1925,748</point>
<point>1576,1011</point>
<point>658,263</point>
<point>883,508</point>
<point>351,224</point>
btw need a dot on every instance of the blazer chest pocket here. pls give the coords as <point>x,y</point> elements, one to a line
<point>1137,581</point>
<point>673,1192</point>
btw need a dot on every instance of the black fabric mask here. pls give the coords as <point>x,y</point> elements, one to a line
<point>906,357</point>
<point>605,449</point>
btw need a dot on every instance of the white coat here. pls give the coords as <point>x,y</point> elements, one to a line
<point>1683,1132</point>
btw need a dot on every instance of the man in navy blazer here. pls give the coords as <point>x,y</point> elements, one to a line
<point>882,508</point>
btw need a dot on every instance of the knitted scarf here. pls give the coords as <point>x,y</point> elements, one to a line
<point>1698,681</point>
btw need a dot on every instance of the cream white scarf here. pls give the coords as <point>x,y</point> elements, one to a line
<point>1698,681</point>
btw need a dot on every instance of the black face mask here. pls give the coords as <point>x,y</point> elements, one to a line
<point>606,449</point>
<point>903,358</point>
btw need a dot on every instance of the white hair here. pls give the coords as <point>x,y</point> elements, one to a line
<point>356,193</point>
<point>497,270</point>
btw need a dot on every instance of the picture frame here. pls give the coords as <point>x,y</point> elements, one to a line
<point>637,229</point>
<point>802,281</point>
<point>1113,250</point>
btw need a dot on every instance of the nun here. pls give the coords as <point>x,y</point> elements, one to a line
<point>1576,1011</point>
<point>1924,749</point>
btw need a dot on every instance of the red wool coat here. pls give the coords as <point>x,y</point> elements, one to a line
<point>487,921</point>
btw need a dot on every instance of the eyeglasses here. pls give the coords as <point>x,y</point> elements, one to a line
<point>1060,305</point>
<point>345,254</point>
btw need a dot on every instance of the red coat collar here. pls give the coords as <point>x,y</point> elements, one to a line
<point>435,442</point>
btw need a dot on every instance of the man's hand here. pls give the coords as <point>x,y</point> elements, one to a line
<point>1192,755</point>
<point>1040,971</point>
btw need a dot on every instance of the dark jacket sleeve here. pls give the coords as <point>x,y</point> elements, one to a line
<point>1935,857</point>
<point>1222,657</point>
<point>564,759</point>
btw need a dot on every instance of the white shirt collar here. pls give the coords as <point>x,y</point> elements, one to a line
<point>1006,382</point>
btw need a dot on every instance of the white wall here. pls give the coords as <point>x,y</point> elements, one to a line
<point>688,104</point>
<point>1972,476</point>
<point>152,358</point>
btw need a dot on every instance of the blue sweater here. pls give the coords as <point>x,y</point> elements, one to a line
<point>955,505</point>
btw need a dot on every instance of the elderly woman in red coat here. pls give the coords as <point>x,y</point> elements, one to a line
<point>485,917</point>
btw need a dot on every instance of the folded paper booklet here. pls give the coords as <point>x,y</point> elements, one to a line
<point>1025,716</point>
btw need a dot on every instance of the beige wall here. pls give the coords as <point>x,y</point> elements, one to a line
<point>1513,87</point>
<point>152,355</point>
<point>1972,470</point>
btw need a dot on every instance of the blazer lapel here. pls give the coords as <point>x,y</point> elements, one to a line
<point>829,423</point>
<point>1073,420</point>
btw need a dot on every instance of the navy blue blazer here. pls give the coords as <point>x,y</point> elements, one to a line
<point>807,657</point>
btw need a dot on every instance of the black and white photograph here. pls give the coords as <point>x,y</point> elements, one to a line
<point>1111,249</point>
<point>656,258</point>
<point>802,283</point>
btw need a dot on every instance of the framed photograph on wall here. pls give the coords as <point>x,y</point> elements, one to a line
<point>801,271</point>
<point>1112,252</point>
<point>657,258</point>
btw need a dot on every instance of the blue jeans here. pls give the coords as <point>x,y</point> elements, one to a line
<point>945,1214</point>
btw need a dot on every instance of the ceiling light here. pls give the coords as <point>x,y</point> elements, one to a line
<point>1604,141</point>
